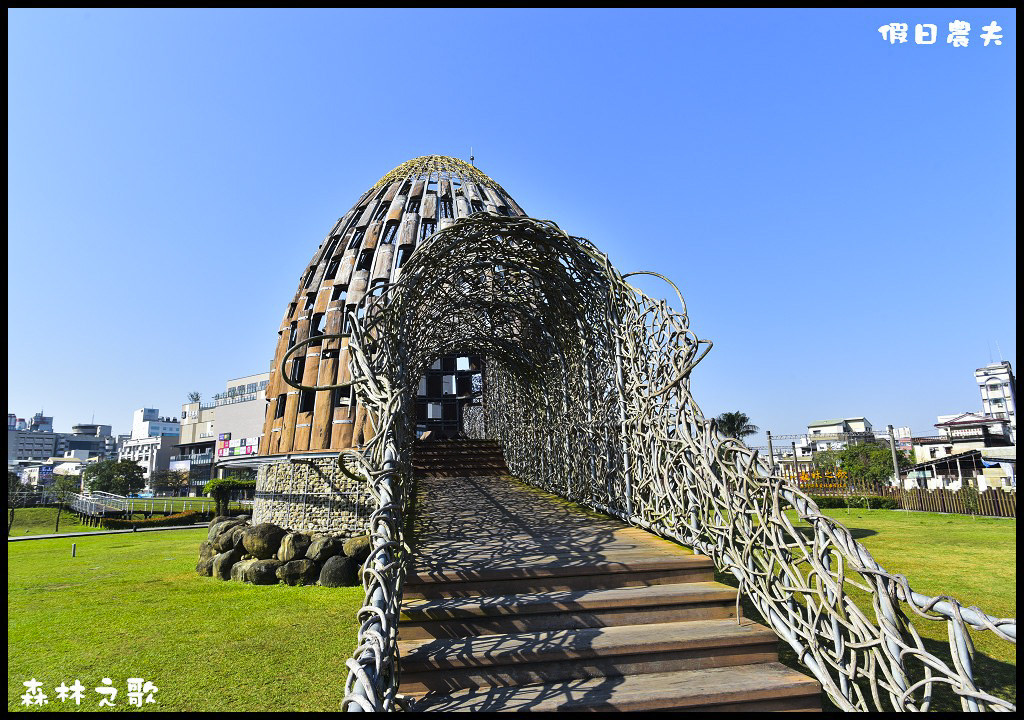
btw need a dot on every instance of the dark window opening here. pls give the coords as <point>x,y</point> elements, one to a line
<point>293,335</point>
<point>357,239</point>
<point>414,205</point>
<point>279,410</point>
<point>444,209</point>
<point>365,260</point>
<point>404,251</point>
<point>342,395</point>
<point>306,401</point>
<point>332,268</point>
<point>329,353</point>
<point>317,326</point>
<point>427,229</point>
<point>389,233</point>
<point>477,206</point>
<point>298,367</point>
<point>310,301</point>
<point>309,276</point>
<point>378,286</point>
<point>339,292</point>
<point>291,309</point>
<point>381,211</point>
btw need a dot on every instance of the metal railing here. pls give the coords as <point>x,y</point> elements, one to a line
<point>588,393</point>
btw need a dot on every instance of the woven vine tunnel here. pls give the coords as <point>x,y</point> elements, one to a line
<point>588,392</point>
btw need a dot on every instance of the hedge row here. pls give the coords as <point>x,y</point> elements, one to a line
<point>858,501</point>
<point>189,517</point>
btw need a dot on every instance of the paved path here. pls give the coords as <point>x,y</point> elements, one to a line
<point>105,532</point>
<point>483,526</point>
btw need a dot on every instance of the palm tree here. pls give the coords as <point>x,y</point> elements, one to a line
<point>735,425</point>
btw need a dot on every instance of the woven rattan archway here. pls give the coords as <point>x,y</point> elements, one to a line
<point>588,392</point>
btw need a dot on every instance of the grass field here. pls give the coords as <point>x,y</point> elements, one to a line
<point>972,559</point>
<point>40,521</point>
<point>134,607</point>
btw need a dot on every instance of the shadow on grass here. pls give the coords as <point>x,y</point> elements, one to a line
<point>808,533</point>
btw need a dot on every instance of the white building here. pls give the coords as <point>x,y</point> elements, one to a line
<point>147,423</point>
<point>835,434</point>
<point>152,441</point>
<point>999,393</point>
<point>229,427</point>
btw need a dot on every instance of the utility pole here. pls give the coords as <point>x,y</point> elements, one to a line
<point>895,462</point>
<point>796,469</point>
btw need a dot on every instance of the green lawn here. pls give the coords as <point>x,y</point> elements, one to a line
<point>972,559</point>
<point>134,607</point>
<point>40,521</point>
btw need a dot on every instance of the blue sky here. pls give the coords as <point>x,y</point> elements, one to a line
<point>838,211</point>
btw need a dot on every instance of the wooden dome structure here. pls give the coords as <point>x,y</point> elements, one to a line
<point>365,249</point>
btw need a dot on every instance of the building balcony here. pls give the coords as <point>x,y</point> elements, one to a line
<point>198,459</point>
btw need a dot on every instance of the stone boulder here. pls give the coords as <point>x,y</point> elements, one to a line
<point>262,541</point>
<point>264,572</point>
<point>240,571</point>
<point>293,547</point>
<point>223,563</point>
<point>206,554</point>
<point>224,540</point>
<point>322,547</point>
<point>298,572</point>
<point>217,528</point>
<point>236,536</point>
<point>243,518</point>
<point>339,571</point>
<point>357,548</point>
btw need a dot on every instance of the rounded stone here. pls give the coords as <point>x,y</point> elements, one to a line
<point>339,571</point>
<point>223,563</point>
<point>298,572</point>
<point>205,566</point>
<point>323,547</point>
<point>262,541</point>
<point>293,547</point>
<point>240,570</point>
<point>264,572</point>
<point>357,548</point>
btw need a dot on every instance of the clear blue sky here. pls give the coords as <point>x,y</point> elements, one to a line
<point>837,211</point>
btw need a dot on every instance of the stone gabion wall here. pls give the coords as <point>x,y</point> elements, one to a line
<point>312,496</point>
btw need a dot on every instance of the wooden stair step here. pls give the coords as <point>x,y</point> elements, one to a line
<point>554,576</point>
<point>757,687</point>
<point>488,615</point>
<point>547,656</point>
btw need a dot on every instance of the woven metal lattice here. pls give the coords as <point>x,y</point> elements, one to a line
<point>588,391</point>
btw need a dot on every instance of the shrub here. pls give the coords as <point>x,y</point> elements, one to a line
<point>220,490</point>
<point>189,517</point>
<point>858,501</point>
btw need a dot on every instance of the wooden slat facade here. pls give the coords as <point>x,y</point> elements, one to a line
<point>356,244</point>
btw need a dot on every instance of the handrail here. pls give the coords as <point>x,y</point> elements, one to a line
<point>588,393</point>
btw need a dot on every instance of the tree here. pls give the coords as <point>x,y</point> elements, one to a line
<point>220,490</point>
<point>64,486</point>
<point>168,480</point>
<point>119,477</point>
<point>866,465</point>
<point>194,396</point>
<point>735,425</point>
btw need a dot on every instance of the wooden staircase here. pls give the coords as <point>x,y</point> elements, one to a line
<point>549,608</point>
<point>457,458</point>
